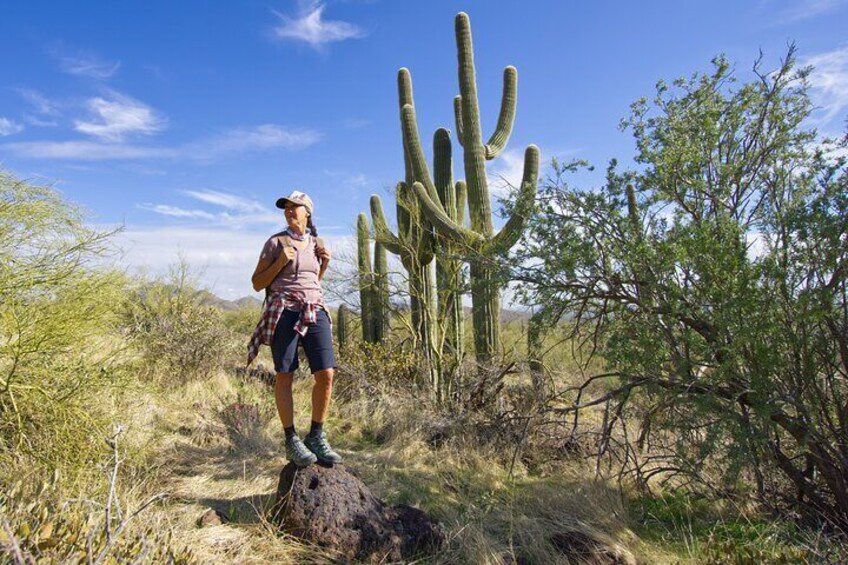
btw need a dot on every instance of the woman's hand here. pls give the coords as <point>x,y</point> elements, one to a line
<point>323,255</point>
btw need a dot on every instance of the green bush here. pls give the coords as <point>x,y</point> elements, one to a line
<point>40,528</point>
<point>713,283</point>
<point>178,336</point>
<point>58,307</point>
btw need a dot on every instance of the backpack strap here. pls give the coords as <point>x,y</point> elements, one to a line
<point>286,240</point>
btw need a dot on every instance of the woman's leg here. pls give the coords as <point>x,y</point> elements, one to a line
<point>322,391</point>
<point>318,343</point>
<point>284,399</point>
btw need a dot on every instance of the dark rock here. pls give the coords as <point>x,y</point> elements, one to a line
<point>331,507</point>
<point>211,518</point>
<point>582,547</point>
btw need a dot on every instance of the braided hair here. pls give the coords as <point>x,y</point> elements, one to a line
<point>311,226</point>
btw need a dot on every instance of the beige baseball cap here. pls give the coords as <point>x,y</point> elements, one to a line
<point>297,197</point>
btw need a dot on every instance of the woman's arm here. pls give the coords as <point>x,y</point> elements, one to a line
<point>267,270</point>
<point>324,258</point>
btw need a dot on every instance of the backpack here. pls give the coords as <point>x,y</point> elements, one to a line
<point>286,240</point>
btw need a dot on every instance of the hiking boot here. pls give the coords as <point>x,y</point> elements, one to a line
<point>318,445</point>
<point>297,453</point>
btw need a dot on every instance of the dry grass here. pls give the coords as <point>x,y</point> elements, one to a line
<point>176,443</point>
<point>189,456</point>
<point>490,517</point>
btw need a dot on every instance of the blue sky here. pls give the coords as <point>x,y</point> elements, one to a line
<point>184,121</point>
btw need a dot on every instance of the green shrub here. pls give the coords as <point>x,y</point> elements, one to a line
<point>178,336</point>
<point>38,526</point>
<point>713,284</point>
<point>57,313</point>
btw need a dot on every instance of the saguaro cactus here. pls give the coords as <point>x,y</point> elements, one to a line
<point>482,246</point>
<point>373,284</point>
<point>366,278</point>
<point>448,265</point>
<point>413,243</point>
<point>380,295</point>
<point>342,321</point>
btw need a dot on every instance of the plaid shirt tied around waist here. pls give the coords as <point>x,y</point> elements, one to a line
<point>275,304</point>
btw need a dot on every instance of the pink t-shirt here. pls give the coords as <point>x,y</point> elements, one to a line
<point>301,273</point>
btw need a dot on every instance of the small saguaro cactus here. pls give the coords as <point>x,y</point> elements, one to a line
<point>481,246</point>
<point>380,294</point>
<point>373,284</point>
<point>366,277</point>
<point>342,321</point>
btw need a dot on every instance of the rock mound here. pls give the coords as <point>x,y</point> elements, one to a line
<point>331,507</point>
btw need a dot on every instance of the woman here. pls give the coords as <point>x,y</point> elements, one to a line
<point>290,268</point>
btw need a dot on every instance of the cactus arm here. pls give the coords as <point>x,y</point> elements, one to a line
<point>403,205</point>
<point>457,112</point>
<point>506,117</point>
<point>443,171</point>
<point>416,154</point>
<point>461,200</point>
<point>474,154</point>
<point>389,240</point>
<point>404,85</point>
<point>467,82</point>
<point>437,216</point>
<point>524,204</point>
<point>363,249</point>
<point>380,296</point>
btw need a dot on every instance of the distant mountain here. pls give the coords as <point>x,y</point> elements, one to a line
<point>207,297</point>
<point>248,302</point>
<point>210,299</point>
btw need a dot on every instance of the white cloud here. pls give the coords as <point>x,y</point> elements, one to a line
<point>237,213</point>
<point>176,212</point>
<point>310,28</point>
<point>86,64</point>
<point>240,140</point>
<point>85,150</point>
<point>225,200</point>
<point>9,127</point>
<point>806,9</point>
<point>40,103</point>
<point>227,257</point>
<point>829,82</point>
<point>505,172</point>
<point>39,122</point>
<point>118,116</point>
<point>349,179</point>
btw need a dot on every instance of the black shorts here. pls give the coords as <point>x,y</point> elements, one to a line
<point>318,343</point>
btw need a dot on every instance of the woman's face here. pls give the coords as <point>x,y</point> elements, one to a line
<point>296,216</point>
